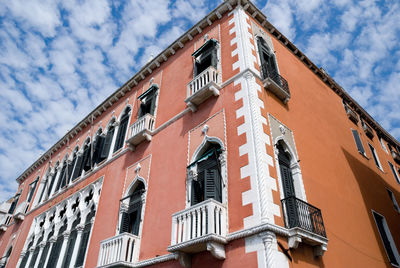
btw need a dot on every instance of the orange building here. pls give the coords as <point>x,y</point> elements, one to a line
<point>228,149</point>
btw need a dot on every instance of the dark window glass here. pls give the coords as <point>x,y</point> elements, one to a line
<point>32,190</point>
<point>387,243</point>
<point>85,239</point>
<point>55,251</point>
<point>71,243</point>
<point>13,204</point>
<point>357,138</point>
<point>396,176</point>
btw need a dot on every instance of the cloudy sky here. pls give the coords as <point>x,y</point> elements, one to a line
<point>60,59</point>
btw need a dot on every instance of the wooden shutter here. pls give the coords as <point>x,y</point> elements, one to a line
<point>107,143</point>
<point>135,218</point>
<point>214,57</point>
<point>359,144</point>
<point>98,147</point>
<point>78,168</point>
<point>197,190</point>
<point>124,228</point>
<point>86,163</point>
<point>210,177</point>
<point>121,132</point>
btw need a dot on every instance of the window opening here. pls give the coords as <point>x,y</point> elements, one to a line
<point>36,251</point>
<point>148,102</point>
<point>359,144</point>
<point>387,239</point>
<point>53,178</point>
<point>98,147</point>
<point>208,182</point>
<point>268,62</point>
<point>27,253</point>
<point>55,251</point>
<point>394,201</point>
<point>130,219</point>
<point>46,249</point>
<point>123,126</point>
<point>205,57</point>
<point>396,176</point>
<point>107,143</point>
<point>375,156</point>
<point>14,204</point>
<point>85,238</point>
<point>71,242</point>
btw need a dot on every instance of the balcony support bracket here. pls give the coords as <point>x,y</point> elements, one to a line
<point>320,250</point>
<point>294,241</point>
<point>185,259</point>
<point>217,250</point>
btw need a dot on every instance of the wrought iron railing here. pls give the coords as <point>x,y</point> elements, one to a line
<point>300,214</point>
<point>268,72</point>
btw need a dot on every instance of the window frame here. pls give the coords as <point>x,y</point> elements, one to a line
<point>375,156</point>
<point>388,236</point>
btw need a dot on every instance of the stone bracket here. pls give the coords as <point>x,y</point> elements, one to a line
<point>217,250</point>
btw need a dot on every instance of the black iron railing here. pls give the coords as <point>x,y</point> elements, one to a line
<point>268,72</point>
<point>300,214</point>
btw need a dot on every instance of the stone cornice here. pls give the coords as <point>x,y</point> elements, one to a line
<point>179,43</point>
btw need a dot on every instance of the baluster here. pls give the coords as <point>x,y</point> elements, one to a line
<point>179,219</point>
<point>203,221</point>
<point>198,222</point>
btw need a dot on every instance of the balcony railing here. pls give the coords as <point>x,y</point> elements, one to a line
<point>199,228</point>
<point>367,129</point>
<point>202,87</point>
<point>274,82</point>
<point>303,215</point>
<point>119,250</point>
<point>351,113</point>
<point>21,210</point>
<point>141,130</point>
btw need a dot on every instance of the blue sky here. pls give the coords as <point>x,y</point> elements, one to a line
<point>60,59</point>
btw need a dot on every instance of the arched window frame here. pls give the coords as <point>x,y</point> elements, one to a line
<point>125,202</point>
<point>294,167</point>
<point>53,179</point>
<point>62,174</point>
<point>192,168</point>
<point>121,137</point>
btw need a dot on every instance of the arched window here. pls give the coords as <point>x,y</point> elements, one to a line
<point>86,158</point>
<point>62,176</point>
<point>107,142</point>
<point>71,242</point>
<point>26,257</point>
<point>208,182</point>
<point>85,238</point>
<point>36,251</point>
<point>46,249</point>
<point>98,147</point>
<point>71,166</point>
<point>55,251</point>
<point>123,126</point>
<point>130,219</point>
<point>53,178</point>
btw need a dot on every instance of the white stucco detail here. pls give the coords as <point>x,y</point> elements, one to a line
<point>262,184</point>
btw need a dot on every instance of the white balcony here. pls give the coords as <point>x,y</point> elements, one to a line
<point>21,210</point>
<point>4,221</point>
<point>140,130</point>
<point>202,87</point>
<point>120,250</point>
<point>199,228</point>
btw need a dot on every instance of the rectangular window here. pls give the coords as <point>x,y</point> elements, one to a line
<point>32,188</point>
<point>375,156</point>
<point>396,176</point>
<point>393,198</point>
<point>359,144</point>
<point>383,145</point>
<point>387,239</point>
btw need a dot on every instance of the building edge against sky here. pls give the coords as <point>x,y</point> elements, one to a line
<point>272,163</point>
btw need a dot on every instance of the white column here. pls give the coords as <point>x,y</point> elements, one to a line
<point>79,230</point>
<point>63,250</point>
<point>41,245</point>
<point>268,239</point>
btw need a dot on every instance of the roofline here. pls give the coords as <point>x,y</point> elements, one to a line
<point>179,43</point>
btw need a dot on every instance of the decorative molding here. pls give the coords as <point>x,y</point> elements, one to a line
<point>217,250</point>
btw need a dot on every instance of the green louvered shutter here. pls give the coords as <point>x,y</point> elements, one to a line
<point>124,228</point>
<point>78,168</point>
<point>86,162</point>
<point>197,189</point>
<point>107,143</point>
<point>214,57</point>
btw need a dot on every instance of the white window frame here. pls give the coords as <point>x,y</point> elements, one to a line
<point>389,236</point>
<point>375,156</point>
